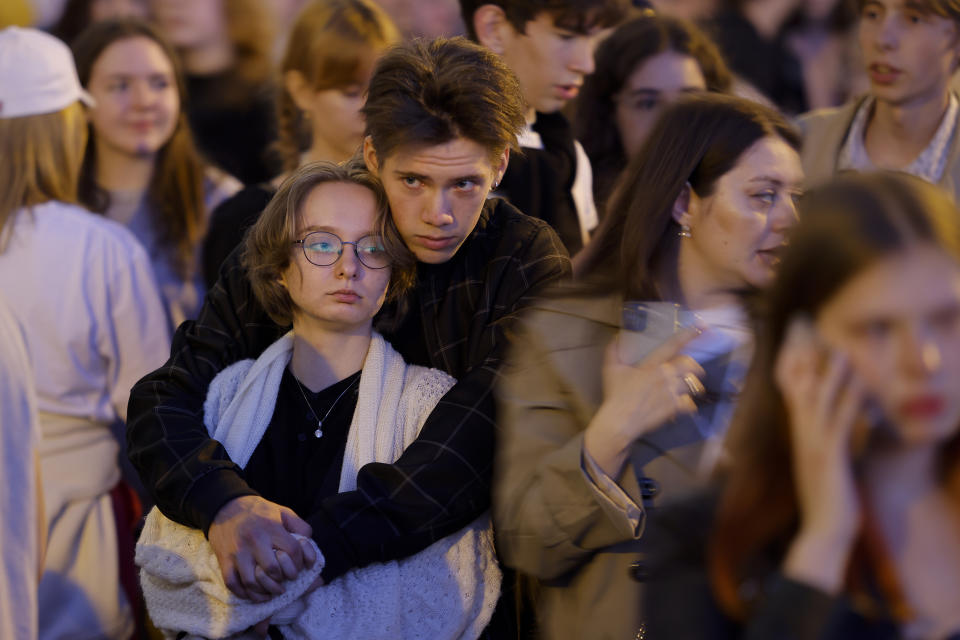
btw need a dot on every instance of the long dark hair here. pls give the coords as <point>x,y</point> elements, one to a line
<point>844,228</point>
<point>696,140</point>
<point>616,59</point>
<point>175,194</point>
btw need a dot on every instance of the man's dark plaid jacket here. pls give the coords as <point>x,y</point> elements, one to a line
<point>442,481</point>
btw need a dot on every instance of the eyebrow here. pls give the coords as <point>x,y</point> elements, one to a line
<point>764,178</point>
<point>151,74</point>
<point>474,177</point>
<point>920,7</point>
<point>333,230</point>
<point>650,91</point>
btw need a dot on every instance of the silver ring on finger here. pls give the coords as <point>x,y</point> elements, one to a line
<point>694,386</point>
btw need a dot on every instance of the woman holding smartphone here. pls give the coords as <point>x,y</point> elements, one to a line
<point>589,436</point>
<point>841,517</point>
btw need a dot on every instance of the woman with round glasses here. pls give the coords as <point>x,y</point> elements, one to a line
<point>327,398</point>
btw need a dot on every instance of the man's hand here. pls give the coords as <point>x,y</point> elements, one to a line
<point>252,539</point>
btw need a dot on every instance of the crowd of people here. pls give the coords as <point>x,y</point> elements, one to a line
<point>515,319</point>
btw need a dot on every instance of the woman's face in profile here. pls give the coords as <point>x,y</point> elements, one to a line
<point>739,230</point>
<point>899,322</point>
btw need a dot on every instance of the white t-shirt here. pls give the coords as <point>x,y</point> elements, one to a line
<point>19,435</point>
<point>83,289</point>
<point>582,189</point>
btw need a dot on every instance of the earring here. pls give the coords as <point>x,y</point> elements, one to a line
<point>684,231</point>
<point>495,185</point>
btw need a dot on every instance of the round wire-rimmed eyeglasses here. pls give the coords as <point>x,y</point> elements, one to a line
<point>323,249</point>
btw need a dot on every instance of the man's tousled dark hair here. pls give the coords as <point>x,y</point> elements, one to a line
<point>425,93</point>
<point>579,16</point>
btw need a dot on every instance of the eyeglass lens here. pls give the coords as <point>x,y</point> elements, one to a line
<point>324,249</point>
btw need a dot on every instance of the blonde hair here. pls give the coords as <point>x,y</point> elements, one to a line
<point>333,44</point>
<point>41,155</point>
<point>251,29</point>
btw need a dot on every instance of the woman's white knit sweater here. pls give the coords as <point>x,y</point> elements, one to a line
<point>448,590</point>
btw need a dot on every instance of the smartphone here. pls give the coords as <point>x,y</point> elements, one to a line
<point>647,325</point>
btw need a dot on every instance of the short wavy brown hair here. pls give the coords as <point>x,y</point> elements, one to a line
<point>425,93</point>
<point>268,246</point>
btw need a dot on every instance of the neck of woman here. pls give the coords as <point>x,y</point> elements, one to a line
<point>693,284</point>
<point>324,355</point>
<point>322,151</point>
<point>768,16</point>
<point>898,476</point>
<point>208,59</point>
<point>118,171</point>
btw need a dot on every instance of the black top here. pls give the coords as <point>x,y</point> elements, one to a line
<point>766,64</point>
<point>234,125</point>
<point>679,602</point>
<point>441,482</point>
<point>293,467</point>
<point>539,182</point>
<point>228,225</point>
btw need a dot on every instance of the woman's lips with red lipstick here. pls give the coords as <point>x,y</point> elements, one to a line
<point>881,73</point>
<point>771,256</point>
<point>922,407</point>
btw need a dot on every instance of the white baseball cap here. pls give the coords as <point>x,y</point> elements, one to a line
<point>37,74</point>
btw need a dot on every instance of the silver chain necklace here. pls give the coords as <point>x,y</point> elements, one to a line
<point>318,433</point>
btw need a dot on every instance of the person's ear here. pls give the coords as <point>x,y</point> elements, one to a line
<point>956,47</point>
<point>682,213</point>
<point>501,167</point>
<point>299,89</point>
<point>370,156</point>
<point>492,27</point>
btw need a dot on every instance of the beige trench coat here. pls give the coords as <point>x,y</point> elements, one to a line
<point>551,521</point>
<point>824,132</point>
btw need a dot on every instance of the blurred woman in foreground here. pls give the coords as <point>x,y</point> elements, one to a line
<point>841,516</point>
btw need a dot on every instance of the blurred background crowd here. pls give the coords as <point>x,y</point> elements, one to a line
<point>727,408</point>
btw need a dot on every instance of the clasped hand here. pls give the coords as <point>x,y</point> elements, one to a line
<point>254,543</point>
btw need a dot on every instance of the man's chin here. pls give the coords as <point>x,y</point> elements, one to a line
<point>550,105</point>
<point>430,256</point>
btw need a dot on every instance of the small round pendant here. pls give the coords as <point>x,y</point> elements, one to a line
<point>318,433</point>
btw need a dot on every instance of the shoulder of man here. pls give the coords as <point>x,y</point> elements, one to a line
<point>823,132</point>
<point>503,225</point>
<point>829,121</point>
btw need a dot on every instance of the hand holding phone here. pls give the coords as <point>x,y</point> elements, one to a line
<point>638,397</point>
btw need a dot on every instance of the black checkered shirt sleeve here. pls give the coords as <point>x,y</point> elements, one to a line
<point>439,484</point>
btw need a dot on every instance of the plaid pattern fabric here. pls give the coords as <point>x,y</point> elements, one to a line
<point>442,481</point>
